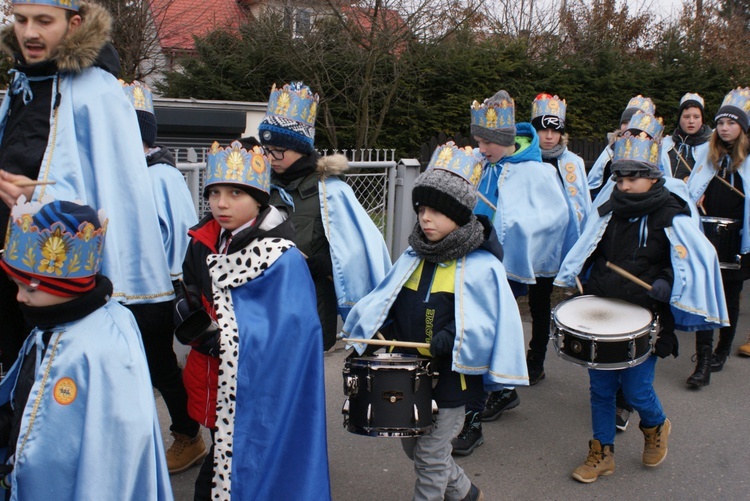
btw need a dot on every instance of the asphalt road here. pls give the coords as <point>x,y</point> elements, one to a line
<point>530,452</point>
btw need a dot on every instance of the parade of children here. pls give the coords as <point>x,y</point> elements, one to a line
<point>441,291</point>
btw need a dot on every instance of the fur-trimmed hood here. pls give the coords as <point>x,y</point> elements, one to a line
<point>332,165</point>
<point>81,48</point>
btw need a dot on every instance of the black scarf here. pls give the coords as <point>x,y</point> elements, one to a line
<point>456,244</point>
<point>301,168</point>
<point>681,137</point>
<point>630,205</point>
<point>47,317</point>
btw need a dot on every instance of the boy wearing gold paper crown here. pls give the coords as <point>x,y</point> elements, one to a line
<point>648,231</point>
<point>77,411</point>
<point>642,122</point>
<point>525,201</point>
<point>548,119</point>
<point>255,371</point>
<point>174,206</point>
<point>345,251</point>
<point>65,120</point>
<point>448,289</point>
<point>601,171</point>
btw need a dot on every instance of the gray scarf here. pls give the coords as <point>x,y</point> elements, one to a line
<point>553,152</point>
<point>458,243</point>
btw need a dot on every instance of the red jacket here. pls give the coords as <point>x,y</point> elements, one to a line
<point>201,373</point>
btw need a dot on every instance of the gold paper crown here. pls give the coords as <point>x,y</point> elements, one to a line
<point>43,239</point>
<point>494,114</point>
<point>236,165</point>
<point>460,161</point>
<point>646,122</point>
<point>642,103</point>
<point>640,148</point>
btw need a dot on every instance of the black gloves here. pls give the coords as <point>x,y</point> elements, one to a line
<point>661,290</point>
<point>200,332</point>
<point>187,300</point>
<point>666,344</point>
<point>442,343</point>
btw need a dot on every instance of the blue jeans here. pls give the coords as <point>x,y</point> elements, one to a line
<point>637,385</point>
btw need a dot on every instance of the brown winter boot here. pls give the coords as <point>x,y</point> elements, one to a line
<point>655,448</point>
<point>600,462</point>
<point>744,349</point>
<point>185,452</point>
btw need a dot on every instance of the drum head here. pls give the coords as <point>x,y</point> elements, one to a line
<point>602,316</point>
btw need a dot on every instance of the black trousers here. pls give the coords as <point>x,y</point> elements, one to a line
<point>732,290</point>
<point>327,310</point>
<point>156,323</point>
<point>540,306</point>
<point>205,478</point>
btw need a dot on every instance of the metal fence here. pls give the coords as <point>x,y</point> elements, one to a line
<point>371,175</point>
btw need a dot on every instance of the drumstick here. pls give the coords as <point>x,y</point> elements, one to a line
<point>628,275</point>
<point>388,342</point>
<point>578,284</point>
<point>484,199</point>
<point>22,183</point>
<point>719,178</point>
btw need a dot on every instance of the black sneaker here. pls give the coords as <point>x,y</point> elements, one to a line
<point>499,402</point>
<point>475,494</point>
<point>536,370</point>
<point>622,418</point>
<point>470,437</point>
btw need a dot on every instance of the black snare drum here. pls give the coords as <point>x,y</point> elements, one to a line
<point>603,333</point>
<point>725,235</point>
<point>390,395</point>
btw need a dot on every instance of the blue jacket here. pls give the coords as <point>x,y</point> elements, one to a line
<point>489,333</point>
<point>90,428</point>
<point>532,215</point>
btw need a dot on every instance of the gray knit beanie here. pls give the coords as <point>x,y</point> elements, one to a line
<point>506,134</point>
<point>448,193</point>
<point>635,168</point>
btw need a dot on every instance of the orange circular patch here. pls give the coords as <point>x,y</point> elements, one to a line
<point>572,190</point>
<point>571,178</point>
<point>681,251</point>
<point>65,391</point>
<point>570,167</point>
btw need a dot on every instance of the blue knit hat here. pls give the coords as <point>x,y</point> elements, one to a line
<point>290,118</point>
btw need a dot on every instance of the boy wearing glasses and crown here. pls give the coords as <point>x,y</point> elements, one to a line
<point>77,411</point>
<point>345,251</point>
